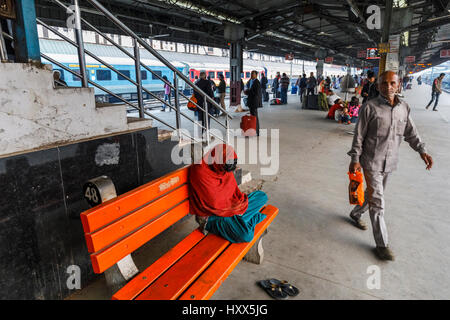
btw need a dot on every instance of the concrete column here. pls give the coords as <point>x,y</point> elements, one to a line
<point>235,35</point>
<point>385,34</point>
<point>236,68</point>
<point>26,35</point>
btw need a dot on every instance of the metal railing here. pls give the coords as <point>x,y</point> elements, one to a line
<point>140,88</point>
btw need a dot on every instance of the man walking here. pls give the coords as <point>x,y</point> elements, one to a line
<point>383,123</point>
<point>436,91</point>
<point>254,97</point>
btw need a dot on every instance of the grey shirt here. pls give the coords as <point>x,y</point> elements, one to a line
<point>379,132</point>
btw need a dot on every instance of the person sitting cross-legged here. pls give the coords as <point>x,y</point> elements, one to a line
<point>216,200</point>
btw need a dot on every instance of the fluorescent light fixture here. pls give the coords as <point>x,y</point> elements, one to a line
<point>359,30</point>
<point>281,36</point>
<point>179,29</point>
<point>261,45</point>
<point>438,18</point>
<point>159,36</point>
<point>354,11</point>
<point>253,37</point>
<point>212,20</point>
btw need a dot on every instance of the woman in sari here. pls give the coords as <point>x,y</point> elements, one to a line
<point>216,201</point>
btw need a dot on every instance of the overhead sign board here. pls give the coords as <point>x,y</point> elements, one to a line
<point>392,62</point>
<point>372,53</point>
<point>289,56</point>
<point>410,59</point>
<point>383,47</point>
<point>329,60</point>
<point>445,53</point>
<point>394,43</point>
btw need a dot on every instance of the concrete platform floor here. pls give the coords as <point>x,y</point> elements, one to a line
<point>312,244</point>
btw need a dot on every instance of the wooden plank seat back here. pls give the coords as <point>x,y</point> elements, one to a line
<point>117,227</point>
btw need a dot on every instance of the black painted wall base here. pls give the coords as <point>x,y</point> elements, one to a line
<point>41,201</point>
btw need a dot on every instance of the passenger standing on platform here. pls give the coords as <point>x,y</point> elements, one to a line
<point>167,90</point>
<point>205,86</point>
<point>436,91</point>
<point>214,110</point>
<point>383,123</point>
<point>405,81</point>
<point>276,85</point>
<point>369,91</point>
<point>221,89</point>
<point>254,97</point>
<point>419,80</point>
<point>311,85</point>
<point>284,84</point>
<point>264,82</point>
<point>302,83</point>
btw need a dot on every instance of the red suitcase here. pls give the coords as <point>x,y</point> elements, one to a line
<point>248,125</point>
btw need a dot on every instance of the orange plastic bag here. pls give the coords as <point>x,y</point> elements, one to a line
<point>191,106</point>
<point>356,188</point>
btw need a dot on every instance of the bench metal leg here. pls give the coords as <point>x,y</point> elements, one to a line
<point>256,253</point>
<point>118,275</point>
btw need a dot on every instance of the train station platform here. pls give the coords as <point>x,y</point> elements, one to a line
<point>312,244</point>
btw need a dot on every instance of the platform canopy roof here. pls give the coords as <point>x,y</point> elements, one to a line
<point>278,27</point>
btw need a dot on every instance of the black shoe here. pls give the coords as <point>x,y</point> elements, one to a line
<point>359,223</point>
<point>434,109</point>
<point>427,107</point>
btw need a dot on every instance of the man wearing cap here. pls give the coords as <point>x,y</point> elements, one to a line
<point>383,122</point>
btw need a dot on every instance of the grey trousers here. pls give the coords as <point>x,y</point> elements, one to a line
<point>374,201</point>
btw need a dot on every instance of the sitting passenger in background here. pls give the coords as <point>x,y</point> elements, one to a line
<point>216,201</point>
<point>331,97</point>
<point>57,79</point>
<point>344,115</point>
<point>338,104</point>
<point>353,109</point>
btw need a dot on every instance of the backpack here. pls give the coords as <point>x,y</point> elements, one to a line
<point>275,101</point>
<point>191,106</point>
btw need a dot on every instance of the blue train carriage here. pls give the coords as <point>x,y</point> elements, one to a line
<point>116,83</point>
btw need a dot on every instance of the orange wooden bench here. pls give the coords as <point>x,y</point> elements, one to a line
<point>193,269</point>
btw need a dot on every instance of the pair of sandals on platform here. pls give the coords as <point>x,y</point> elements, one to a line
<point>277,289</point>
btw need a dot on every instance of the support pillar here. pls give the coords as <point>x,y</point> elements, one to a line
<point>385,34</point>
<point>235,35</point>
<point>236,68</point>
<point>26,35</point>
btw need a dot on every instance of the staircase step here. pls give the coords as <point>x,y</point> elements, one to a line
<point>139,123</point>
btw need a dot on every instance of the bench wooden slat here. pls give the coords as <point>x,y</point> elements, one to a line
<point>108,257</point>
<point>109,211</point>
<point>173,282</point>
<point>136,285</point>
<point>116,230</point>
<point>205,286</point>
